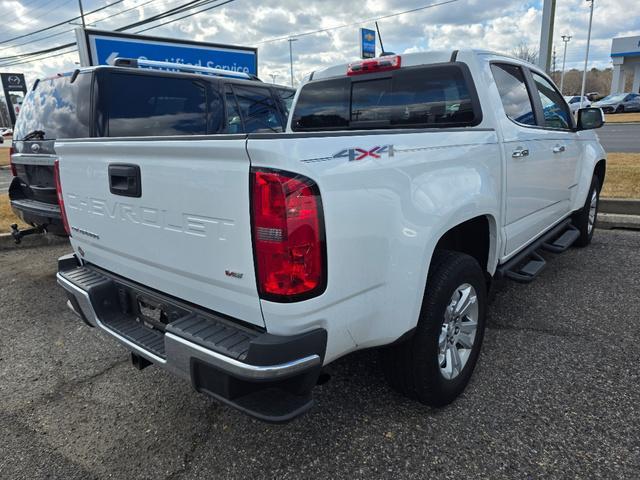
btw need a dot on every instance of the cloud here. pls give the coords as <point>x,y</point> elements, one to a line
<point>485,24</point>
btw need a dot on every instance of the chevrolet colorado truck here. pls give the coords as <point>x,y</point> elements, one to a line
<point>401,189</point>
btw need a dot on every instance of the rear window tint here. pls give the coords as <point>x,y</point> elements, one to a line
<point>145,105</point>
<point>323,105</point>
<point>432,96</point>
<point>58,108</point>
<point>258,109</point>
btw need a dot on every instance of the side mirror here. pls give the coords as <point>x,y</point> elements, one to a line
<point>590,118</point>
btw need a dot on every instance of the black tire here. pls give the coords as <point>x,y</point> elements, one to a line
<point>412,367</point>
<point>580,219</point>
<point>620,109</point>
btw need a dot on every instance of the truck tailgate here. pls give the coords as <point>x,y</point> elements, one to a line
<point>187,234</point>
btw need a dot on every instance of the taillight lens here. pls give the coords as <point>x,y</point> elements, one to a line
<point>288,236</point>
<point>14,172</point>
<point>56,175</point>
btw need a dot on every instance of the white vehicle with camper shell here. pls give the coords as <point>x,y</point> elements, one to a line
<point>402,188</point>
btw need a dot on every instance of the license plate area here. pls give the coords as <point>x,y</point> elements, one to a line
<point>153,313</point>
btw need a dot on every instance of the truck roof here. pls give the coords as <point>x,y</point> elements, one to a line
<point>414,59</point>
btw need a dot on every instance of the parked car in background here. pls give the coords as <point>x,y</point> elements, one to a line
<point>402,187</point>
<point>6,132</point>
<point>619,103</point>
<point>60,107</point>
<point>594,96</point>
<point>574,102</point>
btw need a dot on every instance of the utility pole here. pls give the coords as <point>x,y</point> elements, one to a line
<point>565,40</point>
<point>81,14</point>
<point>586,57</point>
<point>554,70</point>
<point>273,77</point>
<point>291,40</point>
<point>546,34</point>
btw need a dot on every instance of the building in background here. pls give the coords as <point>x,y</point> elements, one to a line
<point>625,53</point>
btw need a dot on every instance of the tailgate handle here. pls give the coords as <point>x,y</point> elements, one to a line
<point>124,179</point>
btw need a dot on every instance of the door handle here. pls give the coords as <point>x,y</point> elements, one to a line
<point>558,149</point>
<point>124,179</point>
<point>520,152</point>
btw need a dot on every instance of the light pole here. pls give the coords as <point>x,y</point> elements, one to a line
<point>291,40</point>
<point>81,13</point>
<point>566,39</point>
<point>273,77</point>
<point>586,57</point>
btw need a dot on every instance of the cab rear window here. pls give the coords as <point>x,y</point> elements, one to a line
<point>413,97</point>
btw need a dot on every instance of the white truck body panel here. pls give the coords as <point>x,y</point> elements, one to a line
<point>189,227</point>
<point>383,218</point>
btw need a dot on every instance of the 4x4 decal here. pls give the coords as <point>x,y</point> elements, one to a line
<point>355,154</point>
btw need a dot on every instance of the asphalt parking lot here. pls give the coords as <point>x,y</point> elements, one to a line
<point>555,395</point>
<point>617,137</point>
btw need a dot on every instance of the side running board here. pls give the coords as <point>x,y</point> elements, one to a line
<point>528,264</point>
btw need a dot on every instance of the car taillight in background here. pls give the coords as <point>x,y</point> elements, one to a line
<point>288,235</point>
<point>14,172</point>
<point>381,64</point>
<point>56,176</point>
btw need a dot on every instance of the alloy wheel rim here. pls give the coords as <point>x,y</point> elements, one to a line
<point>458,332</point>
<point>593,207</point>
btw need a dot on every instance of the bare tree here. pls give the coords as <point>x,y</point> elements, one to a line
<point>525,52</point>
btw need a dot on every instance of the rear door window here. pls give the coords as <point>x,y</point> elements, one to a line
<point>514,93</point>
<point>432,96</point>
<point>286,98</point>
<point>258,109</point>
<point>151,105</point>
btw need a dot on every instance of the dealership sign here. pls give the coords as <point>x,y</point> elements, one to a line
<point>102,47</point>
<point>15,88</point>
<point>367,43</point>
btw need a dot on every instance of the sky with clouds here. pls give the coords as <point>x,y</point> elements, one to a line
<point>489,24</point>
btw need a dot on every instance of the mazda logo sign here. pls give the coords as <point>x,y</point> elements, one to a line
<point>14,80</point>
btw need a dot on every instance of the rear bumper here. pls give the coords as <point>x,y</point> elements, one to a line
<point>266,376</point>
<point>34,212</point>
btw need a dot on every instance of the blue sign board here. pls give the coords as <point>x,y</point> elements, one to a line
<point>367,43</point>
<point>104,47</point>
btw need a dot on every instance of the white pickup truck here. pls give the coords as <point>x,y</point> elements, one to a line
<point>401,189</point>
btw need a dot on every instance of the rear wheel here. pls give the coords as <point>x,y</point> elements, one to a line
<point>434,366</point>
<point>620,109</point>
<point>585,219</point>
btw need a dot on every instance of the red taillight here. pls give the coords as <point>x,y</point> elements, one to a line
<point>14,172</point>
<point>56,176</point>
<point>288,236</point>
<point>381,64</point>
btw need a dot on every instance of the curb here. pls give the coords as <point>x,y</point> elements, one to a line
<point>620,206</point>
<point>608,221</point>
<point>32,241</point>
